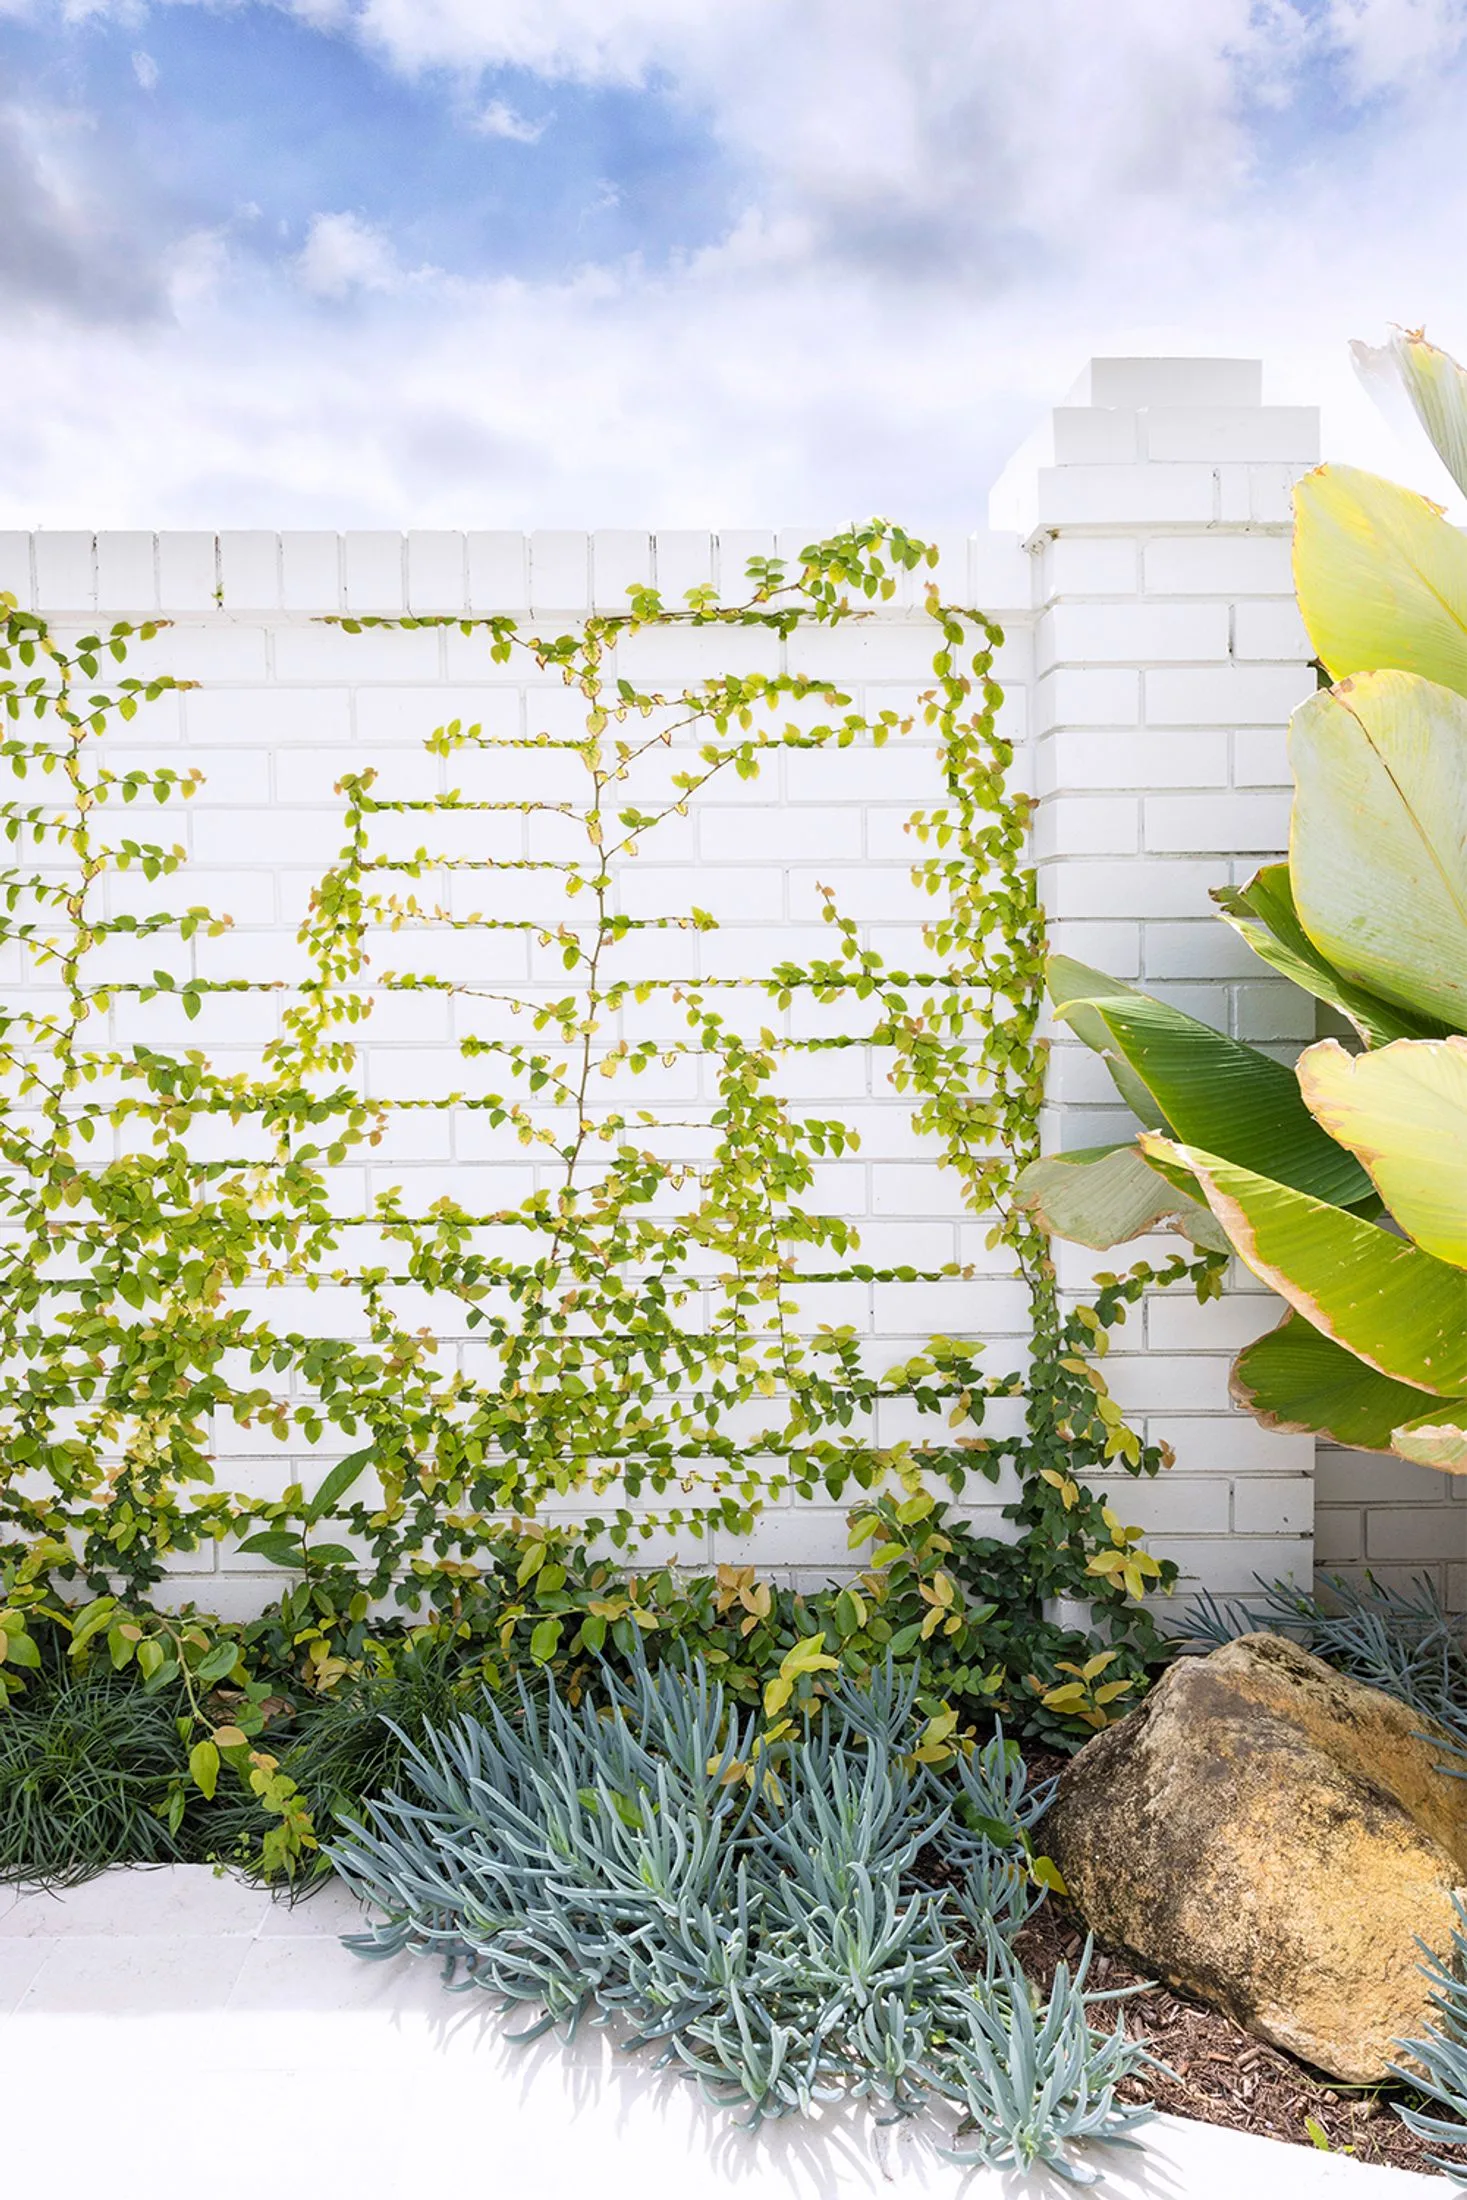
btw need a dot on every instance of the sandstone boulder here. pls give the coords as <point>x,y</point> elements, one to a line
<point>1273,1838</point>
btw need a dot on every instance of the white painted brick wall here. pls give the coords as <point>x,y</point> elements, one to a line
<point>1139,561</point>
<point>1169,653</point>
<point>1165,631</point>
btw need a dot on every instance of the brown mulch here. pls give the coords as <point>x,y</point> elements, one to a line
<point>1219,2074</point>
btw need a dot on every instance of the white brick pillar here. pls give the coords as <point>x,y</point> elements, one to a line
<point>1168,656</point>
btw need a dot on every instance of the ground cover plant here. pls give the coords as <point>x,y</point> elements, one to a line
<point>754,1917</point>
<point>147,1197</point>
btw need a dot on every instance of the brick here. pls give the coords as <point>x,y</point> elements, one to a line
<point>1075,759</point>
<point>1179,382</point>
<point>1181,823</point>
<point>249,570</point>
<point>891,774</point>
<point>1107,496</point>
<point>127,575</point>
<point>15,569</point>
<point>1206,949</point>
<point>683,560</point>
<point>1274,1504</point>
<point>328,653</point>
<point>499,572</point>
<point>1232,1565</point>
<point>437,571</point>
<point>1414,1533</point>
<point>1082,888</point>
<point>1115,948</point>
<point>1274,1010</point>
<point>1089,565</point>
<point>1174,1504</point>
<point>204,653</point>
<point>1270,630</point>
<point>882,650</point>
<point>1261,757</point>
<point>1268,433</point>
<point>1095,435</point>
<point>310,571</point>
<point>1131,633</point>
<point>1271,493</point>
<point>188,571</point>
<point>1092,825</point>
<point>620,558</point>
<point>66,577</point>
<point>684,656</point>
<point>1086,698</point>
<point>1370,1478</point>
<point>1176,1323</point>
<point>1339,1535</point>
<point>375,572</point>
<point>1219,565</point>
<point>1078,1076</point>
<point>1239,695</point>
<point>769,833</point>
<point>734,548</point>
<point>738,893</point>
<point>1000,572</point>
<point>260,716</point>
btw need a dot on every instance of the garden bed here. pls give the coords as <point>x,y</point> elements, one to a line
<point>1218,2074</point>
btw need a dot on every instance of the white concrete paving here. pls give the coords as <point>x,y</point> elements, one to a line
<point>173,2030</point>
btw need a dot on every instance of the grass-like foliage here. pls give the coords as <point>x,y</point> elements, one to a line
<point>87,1776</point>
<point>768,1923</point>
<point>1441,2057</point>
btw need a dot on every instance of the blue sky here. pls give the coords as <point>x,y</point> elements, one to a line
<point>251,118</point>
<point>600,262</point>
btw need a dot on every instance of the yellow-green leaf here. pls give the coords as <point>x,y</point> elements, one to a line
<point>1108,1194</point>
<point>203,1765</point>
<point>1378,846</point>
<point>1437,1440</point>
<point>1399,1309</point>
<point>1402,1111</point>
<point>1434,384</point>
<point>1382,577</point>
<point>1295,1379</point>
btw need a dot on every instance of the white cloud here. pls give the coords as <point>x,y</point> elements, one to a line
<point>342,254</point>
<point>145,69</point>
<point>500,120</point>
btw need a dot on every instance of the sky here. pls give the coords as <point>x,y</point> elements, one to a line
<point>599,263</point>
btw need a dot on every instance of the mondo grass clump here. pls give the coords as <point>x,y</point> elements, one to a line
<point>784,1925</point>
<point>93,1772</point>
<point>340,1750</point>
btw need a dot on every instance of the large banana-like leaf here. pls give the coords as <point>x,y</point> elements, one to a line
<point>1382,577</point>
<point>1401,1310</point>
<point>1213,1091</point>
<point>1263,914</point>
<point>1437,1440</point>
<point>1072,986</point>
<point>1295,1378</point>
<point>1435,385</point>
<point>1378,846</point>
<point>1402,1111</point>
<point>1105,1195</point>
